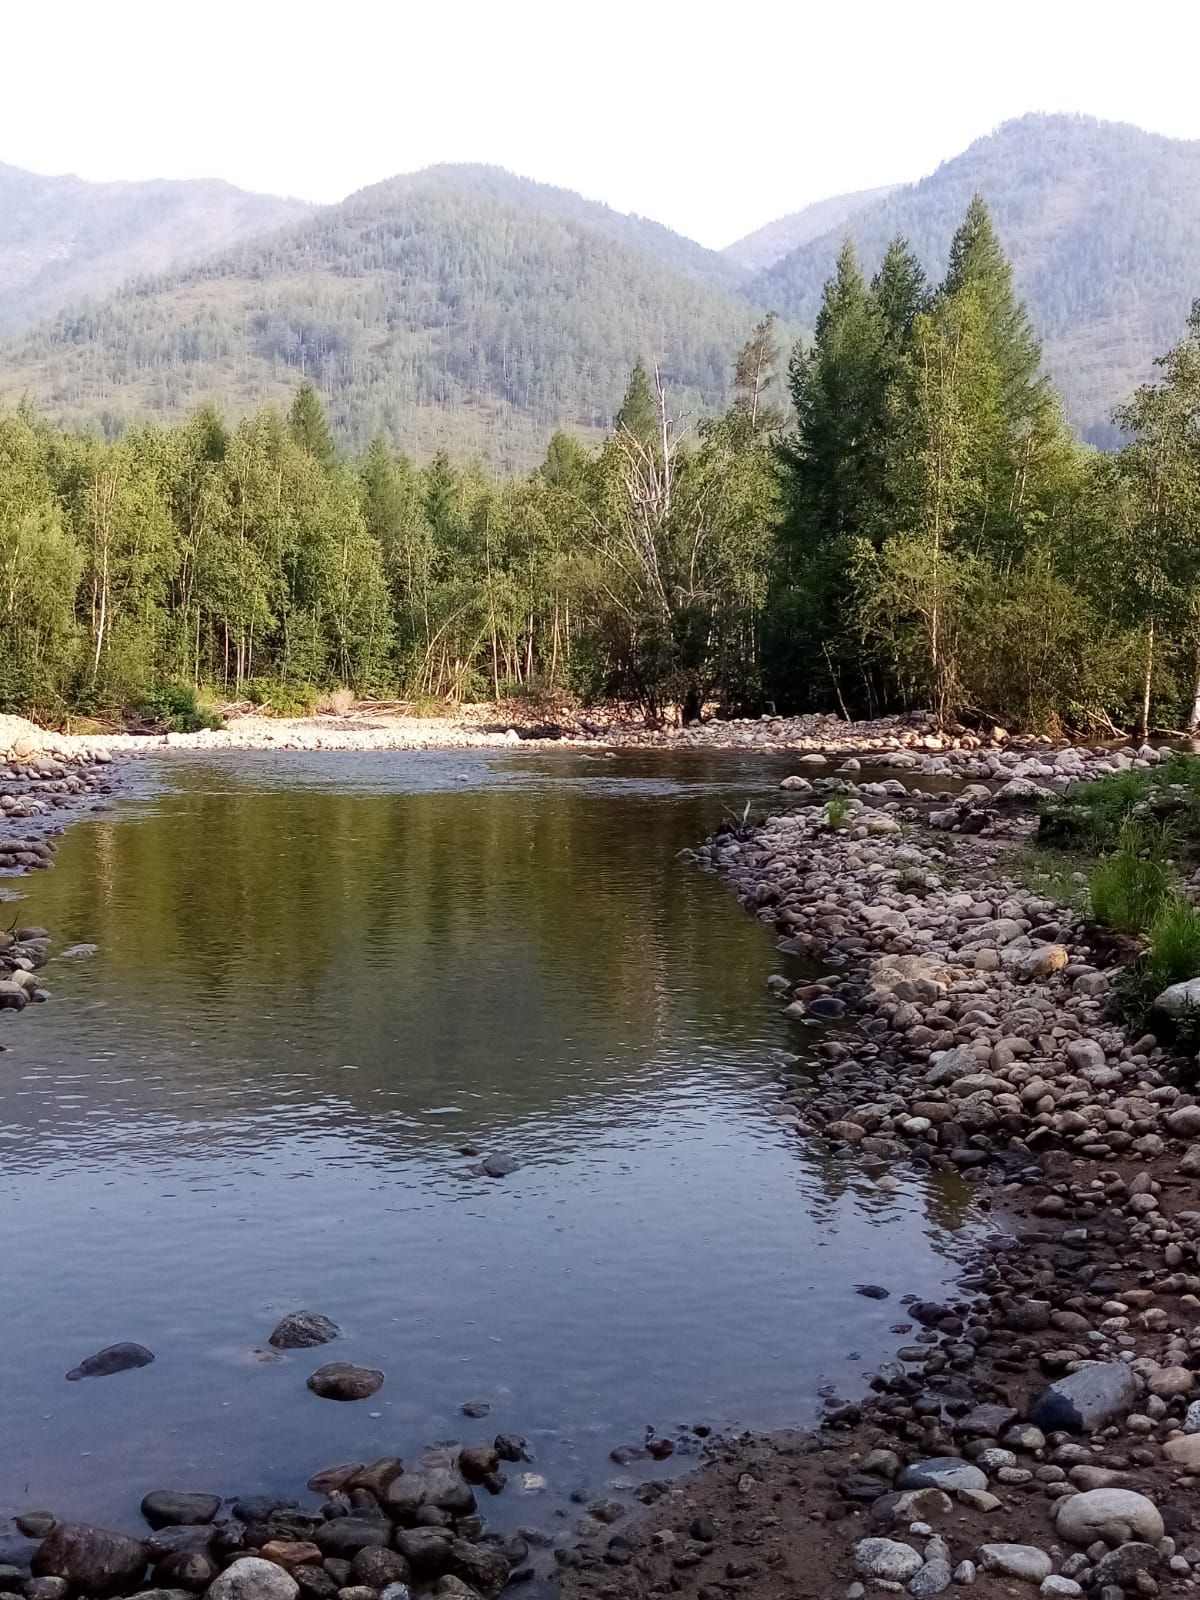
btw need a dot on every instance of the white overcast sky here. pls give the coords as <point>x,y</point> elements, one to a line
<point>710,116</point>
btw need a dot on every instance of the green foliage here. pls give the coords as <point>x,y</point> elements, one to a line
<point>178,706</point>
<point>837,811</point>
<point>1092,815</point>
<point>1056,875</point>
<point>1172,955</point>
<point>283,699</point>
<point>1129,888</point>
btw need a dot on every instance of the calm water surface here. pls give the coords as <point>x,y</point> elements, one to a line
<point>317,977</point>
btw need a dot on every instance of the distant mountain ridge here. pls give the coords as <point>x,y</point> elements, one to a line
<point>62,238</point>
<point>766,245</point>
<point>465,307</point>
<point>1102,222</point>
<point>459,307</point>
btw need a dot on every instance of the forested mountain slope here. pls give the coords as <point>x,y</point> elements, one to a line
<point>1102,222</point>
<point>459,307</point>
<point>62,238</point>
<point>766,245</point>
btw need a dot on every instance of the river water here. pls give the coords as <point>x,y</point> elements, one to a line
<point>317,977</point>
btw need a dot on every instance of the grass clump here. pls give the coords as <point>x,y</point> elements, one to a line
<point>837,811</point>
<point>1129,888</point>
<point>1172,955</point>
<point>1091,815</point>
<point>1055,875</point>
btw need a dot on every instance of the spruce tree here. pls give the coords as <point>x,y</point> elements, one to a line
<point>639,413</point>
<point>309,426</point>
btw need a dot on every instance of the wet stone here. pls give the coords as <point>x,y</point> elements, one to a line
<point>168,1508</point>
<point>112,1359</point>
<point>342,1380</point>
<point>301,1330</point>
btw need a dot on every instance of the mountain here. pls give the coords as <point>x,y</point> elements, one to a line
<point>1102,222</point>
<point>62,238</point>
<point>766,245</point>
<point>460,307</point>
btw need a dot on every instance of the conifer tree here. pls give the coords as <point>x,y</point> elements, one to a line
<point>309,426</point>
<point>639,414</point>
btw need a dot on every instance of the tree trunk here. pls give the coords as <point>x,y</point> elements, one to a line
<point>1194,719</point>
<point>1144,724</point>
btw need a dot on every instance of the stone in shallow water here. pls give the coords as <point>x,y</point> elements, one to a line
<point>165,1508</point>
<point>113,1358</point>
<point>301,1330</point>
<point>92,1560</point>
<point>439,1487</point>
<point>342,1380</point>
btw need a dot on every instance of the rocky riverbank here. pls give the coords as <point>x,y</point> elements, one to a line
<point>39,793</point>
<point>1040,1432</point>
<point>491,727</point>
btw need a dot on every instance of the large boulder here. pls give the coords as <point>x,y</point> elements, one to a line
<point>1179,999</point>
<point>92,1560</point>
<point>1114,1515</point>
<point>1085,1400</point>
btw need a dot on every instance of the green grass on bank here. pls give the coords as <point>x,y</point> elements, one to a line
<point>1114,849</point>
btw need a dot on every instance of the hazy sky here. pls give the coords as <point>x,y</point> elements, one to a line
<point>710,116</point>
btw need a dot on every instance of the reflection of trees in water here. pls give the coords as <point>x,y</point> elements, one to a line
<point>501,938</point>
<point>946,1199</point>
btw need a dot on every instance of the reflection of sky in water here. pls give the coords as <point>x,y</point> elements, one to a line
<point>317,978</point>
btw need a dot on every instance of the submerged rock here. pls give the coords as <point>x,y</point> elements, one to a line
<point>113,1358</point>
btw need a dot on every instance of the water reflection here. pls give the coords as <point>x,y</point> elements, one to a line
<point>317,980</point>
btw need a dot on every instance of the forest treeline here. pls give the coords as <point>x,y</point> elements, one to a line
<point>920,528</point>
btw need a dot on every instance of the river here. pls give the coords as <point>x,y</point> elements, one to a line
<point>317,977</point>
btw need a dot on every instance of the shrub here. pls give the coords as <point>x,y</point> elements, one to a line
<point>178,706</point>
<point>1129,887</point>
<point>283,699</point>
<point>338,702</point>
